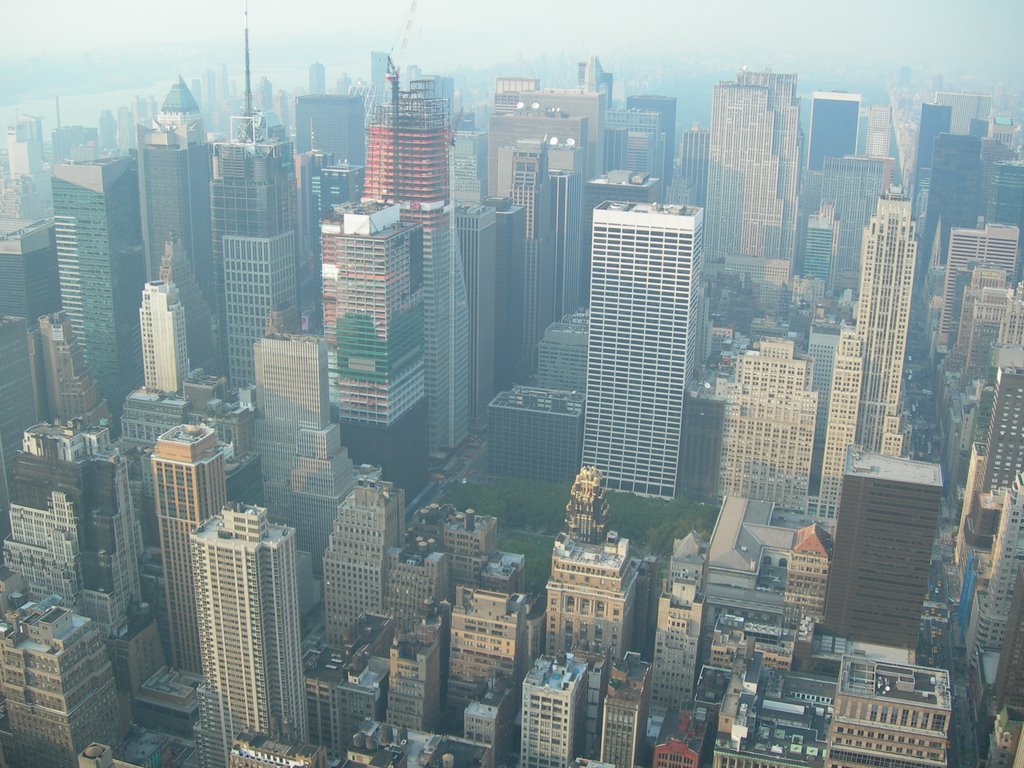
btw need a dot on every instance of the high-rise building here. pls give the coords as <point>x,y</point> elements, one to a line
<point>1005,196</point>
<point>252,200</point>
<point>174,185</point>
<point>531,189</point>
<point>29,285</point>
<point>935,120</point>
<point>306,472</point>
<point>373,325</point>
<point>634,140</point>
<point>754,172</point>
<point>17,400</point>
<point>820,241</point>
<point>247,605</point>
<point>509,366</point>
<point>1005,448</point>
<point>507,92</point>
<point>953,196</point>
<point>993,246</point>
<point>986,303</point>
<point>888,259</point>
<point>565,173</point>
<point>488,639</point>
<point>200,335</point>
<point>530,123</point>
<point>665,106</point>
<point>562,353</point>
<point>102,268</point>
<point>554,709</point>
<point>535,433</point>
<point>25,146</point>
<point>841,419</point>
<point>964,107</point>
<point>469,168</point>
<point>768,433</point>
<point>591,596</point>
<point>888,513</point>
<point>55,716</point>
<point>853,185</point>
<point>889,713</point>
<point>72,486</point>
<point>694,158</point>
<point>588,104</point>
<point>876,143</point>
<point>317,78</point>
<point>369,522</point>
<point>189,487</point>
<point>646,295</point>
<point>418,575</point>
<point>69,390</point>
<point>680,617</point>
<point>164,347</point>
<point>333,124</point>
<point>1010,674</point>
<point>476,229</point>
<point>408,163</point>
<point>626,707</point>
<point>807,575</point>
<point>997,583</point>
<point>834,124</point>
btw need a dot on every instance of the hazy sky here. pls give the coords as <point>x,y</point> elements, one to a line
<point>981,34</point>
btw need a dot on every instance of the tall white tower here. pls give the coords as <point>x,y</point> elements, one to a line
<point>247,603</point>
<point>646,294</point>
<point>164,347</point>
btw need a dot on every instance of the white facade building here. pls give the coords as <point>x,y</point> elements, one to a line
<point>164,347</point>
<point>646,302</point>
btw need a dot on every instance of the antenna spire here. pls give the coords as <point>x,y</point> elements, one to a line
<point>248,76</point>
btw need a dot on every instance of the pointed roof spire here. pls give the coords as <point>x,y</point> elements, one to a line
<point>179,99</point>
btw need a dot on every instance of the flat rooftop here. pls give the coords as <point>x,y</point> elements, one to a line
<point>863,463</point>
<point>649,209</point>
<point>538,399</point>
<point>880,680</point>
<point>557,674</point>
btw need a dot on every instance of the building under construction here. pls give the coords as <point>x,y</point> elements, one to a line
<point>407,162</point>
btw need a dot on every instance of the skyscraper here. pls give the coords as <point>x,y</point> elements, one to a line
<point>993,246</point>
<point>469,168</point>
<point>476,228</point>
<point>72,485</point>
<point>174,185</point>
<point>964,107</point>
<point>754,172</point>
<point>768,434</point>
<point>164,349</point>
<point>408,163</point>
<point>634,140</point>
<point>247,603</point>
<point>883,317</point>
<point>200,336</point>
<point>317,78</point>
<point>188,488</point>
<point>373,324</point>
<point>820,241</point>
<point>554,712</point>
<point>935,120</point>
<point>586,514</point>
<point>508,285</point>
<point>306,471</point>
<point>368,523</point>
<point>834,124</point>
<point>646,294</point>
<point>666,107</point>
<point>853,185</point>
<point>102,268</point>
<point>17,400</point>
<point>876,143</point>
<point>883,545</point>
<point>953,196</point>
<point>335,125</point>
<point>68,390</point>
<point>694,154</point>
<point>531,188</point>
<point>565,174</point>
<point>29,285</point>
<point>252,199</point>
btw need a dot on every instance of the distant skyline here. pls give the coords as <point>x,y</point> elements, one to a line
<point>452,33</point>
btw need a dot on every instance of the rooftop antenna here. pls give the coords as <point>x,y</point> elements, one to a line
<point>248,76</point>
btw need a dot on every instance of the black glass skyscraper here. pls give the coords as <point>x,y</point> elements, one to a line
<point>834,120</point>
<point>935,119</point>
<point>333,124</point>
<point>952,195</point>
